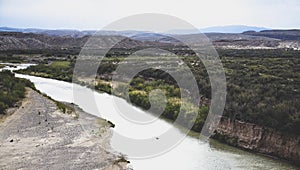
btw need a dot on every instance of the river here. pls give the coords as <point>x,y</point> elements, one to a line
<point>190,154</point>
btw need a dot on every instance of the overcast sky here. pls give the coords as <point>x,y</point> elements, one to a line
<point>94,14</point>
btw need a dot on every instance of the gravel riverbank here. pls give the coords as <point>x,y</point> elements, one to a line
<point>39,136</point>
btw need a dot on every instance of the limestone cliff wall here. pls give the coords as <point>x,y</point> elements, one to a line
<point>260,139</point>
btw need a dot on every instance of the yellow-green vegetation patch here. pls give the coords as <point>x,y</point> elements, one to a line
<point>61,70</point>
<point>39,74</point>
<point>102,82</point>
<point>60,64</point>
<point>103,86</point>
<point>64,107</point>
<point>103,125</point>
<point>228,71</point>
<point>268,76</point>
<point>103,122</point>
<point>257,67</point>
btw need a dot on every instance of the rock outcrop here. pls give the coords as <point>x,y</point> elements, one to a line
<point>260,139</point>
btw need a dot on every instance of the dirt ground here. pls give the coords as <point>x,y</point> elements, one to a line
<point>39,136</point>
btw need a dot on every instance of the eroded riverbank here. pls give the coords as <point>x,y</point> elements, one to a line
<point>259,139</point>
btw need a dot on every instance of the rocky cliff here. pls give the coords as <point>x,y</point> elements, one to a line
<point>260,139</point>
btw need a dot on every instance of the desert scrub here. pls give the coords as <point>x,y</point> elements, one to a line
<point>103,87</point>
<point>12,90</point>
<point>61,106</point>
<point>60,70</point>
<point>64,108</point>
<point>103,126</point>
<point>105,123</point>
<point>121,159</point>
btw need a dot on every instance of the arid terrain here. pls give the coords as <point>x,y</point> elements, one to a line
<point>39,136</point>
<point>67,42</point>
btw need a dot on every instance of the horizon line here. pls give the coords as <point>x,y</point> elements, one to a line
<point>92,29</point>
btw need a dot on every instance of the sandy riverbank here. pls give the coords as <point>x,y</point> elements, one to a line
<point>39,136</point>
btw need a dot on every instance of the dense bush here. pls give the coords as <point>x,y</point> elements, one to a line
<point>12,89</point>
<point>104,87</point>
<point>61,70</point>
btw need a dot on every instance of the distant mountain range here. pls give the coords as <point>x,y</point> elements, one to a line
<point>218,29</point>
<point>77,33</point>
<point>232,29</point>
<point>28,39</point>
<point>70,32</point>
